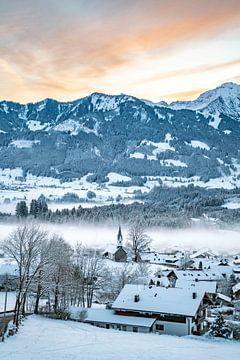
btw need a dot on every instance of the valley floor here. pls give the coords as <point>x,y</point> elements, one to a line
<point>42,338</point>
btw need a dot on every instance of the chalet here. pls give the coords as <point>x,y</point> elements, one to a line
<point>177,311</point>
<point>116,253</point>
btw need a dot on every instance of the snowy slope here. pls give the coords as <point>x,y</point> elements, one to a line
<point>42,338</point>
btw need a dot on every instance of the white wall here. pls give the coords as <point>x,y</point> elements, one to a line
<point>172,328</point>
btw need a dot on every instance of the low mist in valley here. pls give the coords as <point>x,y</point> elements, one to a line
<point>219,240</point>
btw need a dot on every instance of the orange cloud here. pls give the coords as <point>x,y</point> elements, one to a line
<point>69,46</point>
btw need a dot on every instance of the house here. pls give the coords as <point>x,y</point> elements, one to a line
<point>203,254</point>
<point>177,311</point>
<point>236,291</point>
<point>116,253</point>
<point>236,261</point>
<point>177,260</point>
<point>106,318</point>
<point>185,279</point>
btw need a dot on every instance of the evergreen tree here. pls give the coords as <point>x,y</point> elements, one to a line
<point>21,209</point>
<point>219,328</point>
<point>34,208</point>
<point>42,206</point>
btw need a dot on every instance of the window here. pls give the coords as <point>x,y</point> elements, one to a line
<point>159,327</point>
<point>124,328</point>
<point>135,329</point>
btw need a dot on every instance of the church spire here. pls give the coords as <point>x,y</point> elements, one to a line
<point>119,237</point>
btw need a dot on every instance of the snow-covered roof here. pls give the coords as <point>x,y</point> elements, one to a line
<point>207,286</point>
<point>108,316</point>
<point>159,299</point>
<point>236,288</point>
<point>224,297</point>
<point>195,275</point>
<point>202,252</point>
<point>111,249</point>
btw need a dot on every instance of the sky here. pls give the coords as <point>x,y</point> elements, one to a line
<point>151,49</point>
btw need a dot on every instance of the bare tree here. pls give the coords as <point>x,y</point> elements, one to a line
<point>90,268</point>
<point>27,246</point>
<point>60,272</point>
<point>139,240</point>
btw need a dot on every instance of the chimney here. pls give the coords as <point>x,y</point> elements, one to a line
<point>136,298</point>
<point>194,295</point>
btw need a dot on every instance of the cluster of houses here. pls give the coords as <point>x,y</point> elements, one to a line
<point>175,300</point>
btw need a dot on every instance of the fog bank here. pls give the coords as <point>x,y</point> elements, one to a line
<point>221,241</point>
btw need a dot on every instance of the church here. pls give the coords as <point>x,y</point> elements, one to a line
<point>116,253</point>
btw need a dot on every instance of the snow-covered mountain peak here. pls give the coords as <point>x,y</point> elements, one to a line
<point>223,99</point>
<point>105,102</point>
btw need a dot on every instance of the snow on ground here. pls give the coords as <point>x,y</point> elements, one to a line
<point>215,121</point>
<point>14,187</point>
<point>42,338</point>
<point>160,146</point>
<point>218,240</point>
<point>172,162</point>
<point>200,144</point>
<point>113,177</point>
<point>227,132</point>
<point>35,125</point>
<point>24,144</point>
<point>11,298</point>
<point>137,155</point>
<point>232,205</point>
<point>74,127</point>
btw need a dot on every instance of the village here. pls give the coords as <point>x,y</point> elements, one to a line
<point>134,289</point>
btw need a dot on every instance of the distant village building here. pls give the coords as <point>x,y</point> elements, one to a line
<point>236,291</point>
<point>178,259</point>
<point>116,253</point>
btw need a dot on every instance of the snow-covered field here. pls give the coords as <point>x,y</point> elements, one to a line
<point>220,241</point>
<point>15,188</point>
<point>42,338</point>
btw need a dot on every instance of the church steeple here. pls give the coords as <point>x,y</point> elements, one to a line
<point>119,237</point>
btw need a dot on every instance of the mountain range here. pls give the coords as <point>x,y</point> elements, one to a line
<point>184,141</point>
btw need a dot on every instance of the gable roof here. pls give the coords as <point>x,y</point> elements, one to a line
<point>155,299</point>
<point>202,252</point>
<point>112,249</point>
